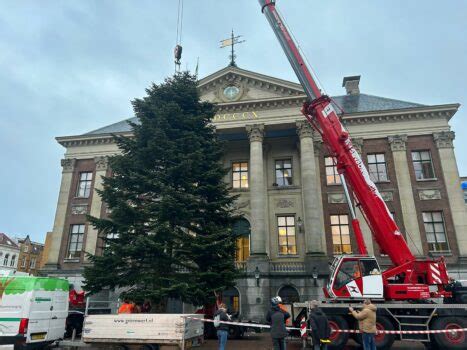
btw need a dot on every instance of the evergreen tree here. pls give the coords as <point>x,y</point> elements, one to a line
<point>170,208</point>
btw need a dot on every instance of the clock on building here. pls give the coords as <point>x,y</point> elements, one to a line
<point>231,92</point>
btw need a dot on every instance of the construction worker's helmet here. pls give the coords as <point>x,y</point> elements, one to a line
<point>276,300</point>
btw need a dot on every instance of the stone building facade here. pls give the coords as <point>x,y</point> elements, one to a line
<point>9,252</point>
<point>30,256</point>
<point>294,213</point>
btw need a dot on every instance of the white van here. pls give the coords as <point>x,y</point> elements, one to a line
<point>33,310</point>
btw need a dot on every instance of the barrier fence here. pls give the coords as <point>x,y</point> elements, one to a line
<point>255,325</point>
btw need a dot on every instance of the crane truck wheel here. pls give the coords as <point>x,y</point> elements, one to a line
<point>455,339</point>
<point>235,332</point>
<point>384,341</point>
<point>338,340</point>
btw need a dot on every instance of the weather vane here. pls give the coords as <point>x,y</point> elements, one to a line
<point>231,42</point>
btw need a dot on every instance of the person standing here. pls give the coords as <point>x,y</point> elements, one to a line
<point>367,324</point>
<point>277,317</point>
<point>222,328</point>
<point>128,307</point>
<point>319,325</point>
<point>146,308</point>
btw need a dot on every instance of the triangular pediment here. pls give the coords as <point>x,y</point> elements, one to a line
<point>233,84</point>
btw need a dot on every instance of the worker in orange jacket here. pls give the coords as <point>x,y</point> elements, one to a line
<point>128,307</point>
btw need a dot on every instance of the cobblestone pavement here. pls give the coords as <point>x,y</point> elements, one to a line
<point>253,341</point>
<point>263,342</point>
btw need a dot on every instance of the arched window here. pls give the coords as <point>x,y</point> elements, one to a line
<point>231,298</point>
<point>13,260</point>
<point>289,295</point>
<point>241,230</point>
<point>5,260</point>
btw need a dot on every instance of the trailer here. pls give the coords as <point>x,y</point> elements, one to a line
<point>143,331</point>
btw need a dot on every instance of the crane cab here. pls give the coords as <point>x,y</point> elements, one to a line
<point>355,277</point>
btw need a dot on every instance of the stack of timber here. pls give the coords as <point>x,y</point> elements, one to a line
<point>168,331</point>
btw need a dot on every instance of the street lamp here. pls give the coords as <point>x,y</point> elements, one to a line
<point>257,275</point>
<point>314,275</point>
<point>300,224</point>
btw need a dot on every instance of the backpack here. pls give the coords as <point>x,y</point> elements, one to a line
<point>217,320</point>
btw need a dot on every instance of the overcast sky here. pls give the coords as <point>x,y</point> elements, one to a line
<point>68,67</point>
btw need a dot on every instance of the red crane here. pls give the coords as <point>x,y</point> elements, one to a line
<point>359,276</point>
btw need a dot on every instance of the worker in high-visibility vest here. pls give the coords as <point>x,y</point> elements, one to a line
<point>128,307</point>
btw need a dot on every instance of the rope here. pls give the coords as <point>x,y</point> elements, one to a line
<point>255,325</point>
<point>178,38</point>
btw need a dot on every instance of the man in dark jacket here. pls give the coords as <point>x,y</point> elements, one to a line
<point>222,328</point>
<point>277,317</point>
<point>320,330</point>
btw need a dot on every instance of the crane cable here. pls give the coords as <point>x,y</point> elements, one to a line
<point>178,39</point>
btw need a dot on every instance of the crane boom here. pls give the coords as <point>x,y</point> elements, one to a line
<point>324,118</point>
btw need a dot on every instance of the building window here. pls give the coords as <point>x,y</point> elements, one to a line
<point>32,265</point>
<point>340,234</point>
<point>332,176</point>
<point>377,167</point>
<point>423,165</point>
<point>5,260</point>
<point>25,249</point>
<point>75,244</point>
<point>23,262</point>
<point>240,175</point>
<point>241,230</point>
<point>231,298</point>
<point>13,260</point>
<point>435,231</point>
<point>284,172</point>
<point>287,241</point>
<point>110,236</point>
<point>289,295</point>
<point>85,183</point>
<point>243,249</point>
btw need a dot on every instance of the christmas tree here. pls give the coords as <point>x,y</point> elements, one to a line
<point>168,234</point>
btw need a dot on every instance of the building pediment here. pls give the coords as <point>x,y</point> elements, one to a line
<point>235,85</point>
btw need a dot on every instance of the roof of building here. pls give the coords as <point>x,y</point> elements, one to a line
<point>27,239</point>
<point>349,103</point>
<point>7,241</point>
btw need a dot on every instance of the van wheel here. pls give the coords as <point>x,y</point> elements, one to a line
<point>338,340</point>
<point>384,341</point>
<point>455,338</point>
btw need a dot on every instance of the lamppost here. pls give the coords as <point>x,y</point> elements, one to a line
<point>257,275</point>
<point>314,275</point>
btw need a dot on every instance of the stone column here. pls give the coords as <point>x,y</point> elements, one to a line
<point>367,236</point>
<point>257,189</point>
<point>59,229</point>
<point>444,143</point>
<point>256,298</point>
<point>96,205</point>
<point>317,149</point>
<point>404,184</point>
<point>312,211</point>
